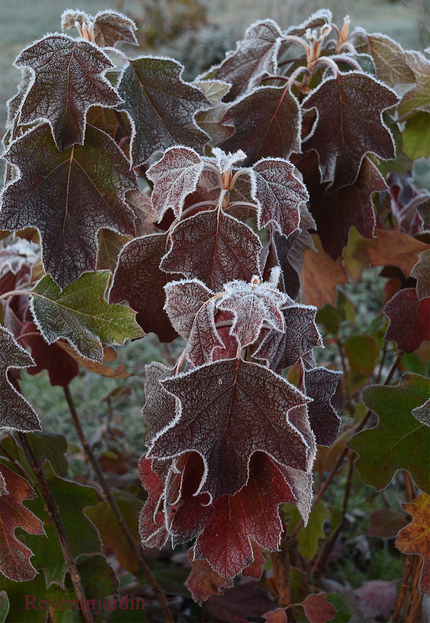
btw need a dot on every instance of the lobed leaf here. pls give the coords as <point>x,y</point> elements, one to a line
<point>68,79</point>
<point>204,581</point>
<point>15,411</point>
<point>68,196</point>
<point>152,528</point>
<point>421,272</point>
<point>14,555</point>
<point>160,406</point>
<point>389,58</point>
<point>320,385</point>
<point>161,107</point>
<point>415,537</point>
<point>405,309</point>
<point>242,408</point>
<point>349,125</point>
<point>110,27</point>
<point>81,315</point>
<point>418,96</point>
<point>213,247</point>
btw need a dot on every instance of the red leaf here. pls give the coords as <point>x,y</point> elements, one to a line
<point>349,125</point>
<point>278,193</point>
<point>267,124</point>
<point>229,410</point>
<point>376,598</point>
<point>139,281</point>
<point>409,320</point>
<point>213,247</point>
<point>69,196</point>
<point>14,555</point>
<point>256,55</point>
<point>68,80</point>
<point>318,609</point>
<point>15,411</point>
<point>385,523</point>
<point>175,176</point>
<point>251,512</point>
<point>152,528</point>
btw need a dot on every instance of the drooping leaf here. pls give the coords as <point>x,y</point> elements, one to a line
<point>161,107</point>
<point>81,315</point>
<point>251,512</point>
<point>252,305</point>
<point>213,247</point>
<point>229,410</point>
<point>399,441</point>
<point>278,193</point>
<point>111,27</point>
<point>404,309</point>
<point>14,555</point>
<point>255,56</point>
<point>300,335</point>
<point>68,79</point>
<point>421,272</point>
<point>349,125</point>
<point>415,537</point>
<point>418,96</point>
<point>68,196</point>
<point>191,309</point>
<point>204,581</point>
<point>389,58</point>
<point>15,411</point>
<point>309,535</point>
<point>152,527</point>
<point>396,248</point>
<point>139,281</point>
<point>175,176</point>
<point>267,124</point>
<point>102,369</point>
<point>320,385</point>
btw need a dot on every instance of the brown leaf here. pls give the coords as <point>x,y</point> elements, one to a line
<point>415,537</point>
<point>203,581</point>
<point>320,276</point>
<point>96,366</point>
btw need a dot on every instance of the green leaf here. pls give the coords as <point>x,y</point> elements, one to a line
<point>97,577</point>
<point>362,352</point>
<point>343,614</point>
<point>81,315</point>
<point>4,606</point>
<point>50,446</point>
<point>24,599</point>
<point>416,136</point>
<point>310,534</point>
<point>329,317</point>
<point>399,441</point>
<point>71,498</point>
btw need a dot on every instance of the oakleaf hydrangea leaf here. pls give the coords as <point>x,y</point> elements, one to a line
<point>15,411</point>
<point>139,281</point>
<point>68,80</point>
<point>418,96</point>
<point>253,304</point>
<point>251,512</point>
<point>406,310</point>
<point>213,247</point>
<point>349,125</point>
<point>14,555</point>
<point>422,413</point>
<point>160,406</point>
<point>161,107</point>
<point>190,306</point>
<point>175,177</point>
<point>278,194</point>
<point>415,537</point>
<point>400,441</point>
<point>267,124</point>
<point>388,55</point>
<point>68,196</point>
<point>111,27</point>
<point>152,527</point>
<point>81,314</point>
<point>204,581</point>
<point>229,410</point>
<point>255,56</point>
<point>281,349</point>
<point>421,272</point>
<point>320,385</point>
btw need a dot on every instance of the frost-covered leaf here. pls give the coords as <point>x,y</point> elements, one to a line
<point>251,512</point>
<point>422,413</point>
<point>316,20</point>
<point>415,537</point>
<point>15,411</point>
<point>418,96</point>
<point>204,581</point>
<point>421,272</point>
<point>81,315</point>
<point>409,320</point>
<point>389,58</point>
<point>229,410</point>
<point>152,528</point>
<point>190,306</point>
<point>300,335</point>
<point>320,385</point>
<point>278,194</point>
<point>253,304</point>
<point>139,281</point>
<point>175,177</point>
<point>400,441</point>
<point>349,125</point>
<point>68,80</point>
<point>161,107</point>
<point>14,555</point>
<point>213,247</point>
<point>68,196</point>
<point>255,56</point>
<point>160,406</point>
<point>210,120</point>
<point>111,27</point>
<point>267,124</point>
<point>15,255</point>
